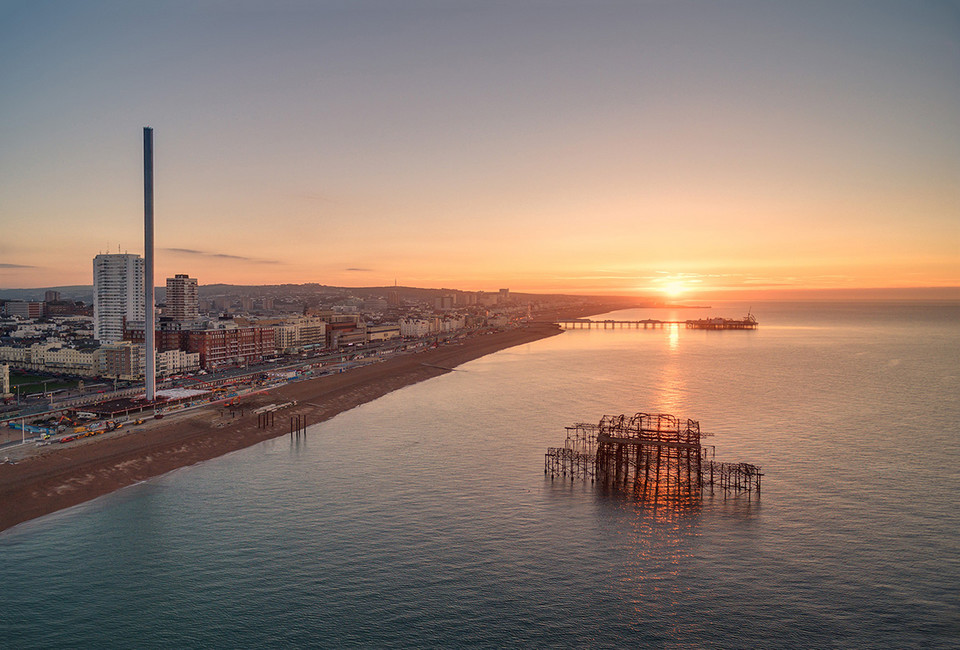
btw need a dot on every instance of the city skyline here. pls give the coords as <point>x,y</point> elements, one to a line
<point>678,150</point>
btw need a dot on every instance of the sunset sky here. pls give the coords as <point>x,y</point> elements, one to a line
<point>579,147</point>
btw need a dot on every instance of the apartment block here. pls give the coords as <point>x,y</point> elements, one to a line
<point>231,346</point>
<point>117,294</point>
<point>183,298</point>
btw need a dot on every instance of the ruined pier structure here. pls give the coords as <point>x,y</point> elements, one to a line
<point>648,454</point>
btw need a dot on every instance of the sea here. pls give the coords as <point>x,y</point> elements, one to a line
<point>424,519</point>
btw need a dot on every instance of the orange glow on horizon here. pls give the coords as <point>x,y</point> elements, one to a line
<point>370,157</point>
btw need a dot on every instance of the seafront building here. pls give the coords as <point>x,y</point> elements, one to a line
<point>123,360</point>
<point>52,355</point>
<point>224,344</point>
<point>416,327</point>
<point>117,294</point>
<point>300,333</point>
<point>428,326</point>
<point>383,332</point>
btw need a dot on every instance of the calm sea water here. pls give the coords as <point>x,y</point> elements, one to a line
<point>424,519</point>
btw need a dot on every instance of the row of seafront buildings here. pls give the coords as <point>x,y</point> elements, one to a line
<point>111,343</point>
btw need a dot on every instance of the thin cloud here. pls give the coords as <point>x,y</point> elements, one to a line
<point>221,256</point>
<point>599,277</point>
<point>358,270</point>
<point>17,266</point>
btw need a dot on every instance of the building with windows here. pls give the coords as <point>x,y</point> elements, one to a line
<point>123,361</point>
<point>346,332</point>
<point>297,334</point>
<point>24,309</point>
<point>183,298</point>
<point>229,345</point>
<point>417,327</point>
<point>52,355</point>
<point>382,332</point>
<point>174,362</point>
<point>117,294</point>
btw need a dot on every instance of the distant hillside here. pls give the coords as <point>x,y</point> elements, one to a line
<point>78,292</point>
<point>313,290</point>
<point>304,291</point>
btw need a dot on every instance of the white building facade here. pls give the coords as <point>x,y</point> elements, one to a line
<point>52,356</point>
<point>117,294</point>
<point>417,327</point>
<point>174,362</point>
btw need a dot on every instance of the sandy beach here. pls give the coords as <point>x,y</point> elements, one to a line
<point>59,477</point>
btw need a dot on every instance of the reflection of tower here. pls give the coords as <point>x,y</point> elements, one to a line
<point>183,298</point>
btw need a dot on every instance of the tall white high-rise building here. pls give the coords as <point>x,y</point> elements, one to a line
<point>183,297</point>
<point>117,294</point>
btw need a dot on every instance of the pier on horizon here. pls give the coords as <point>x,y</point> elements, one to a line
<point>746,323</point>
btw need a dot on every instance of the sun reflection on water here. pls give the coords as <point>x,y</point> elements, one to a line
<point>670,390</point>
<point>658,536</point>
<point>673,338</point>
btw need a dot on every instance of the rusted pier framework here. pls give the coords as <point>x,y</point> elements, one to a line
<point>649,454</point>
<point>577,458</point>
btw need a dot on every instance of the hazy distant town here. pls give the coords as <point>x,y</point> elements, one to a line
<point>92,337</point>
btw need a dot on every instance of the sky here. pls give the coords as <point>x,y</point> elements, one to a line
<point>658,147</point>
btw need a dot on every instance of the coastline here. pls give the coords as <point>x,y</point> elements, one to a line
<point>54,479</point>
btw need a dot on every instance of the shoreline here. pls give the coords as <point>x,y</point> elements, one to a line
<point>54,479</point>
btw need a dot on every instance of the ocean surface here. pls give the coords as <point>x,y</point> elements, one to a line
<point>424,519</point>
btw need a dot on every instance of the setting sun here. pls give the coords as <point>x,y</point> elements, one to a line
<point>674,289</point>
